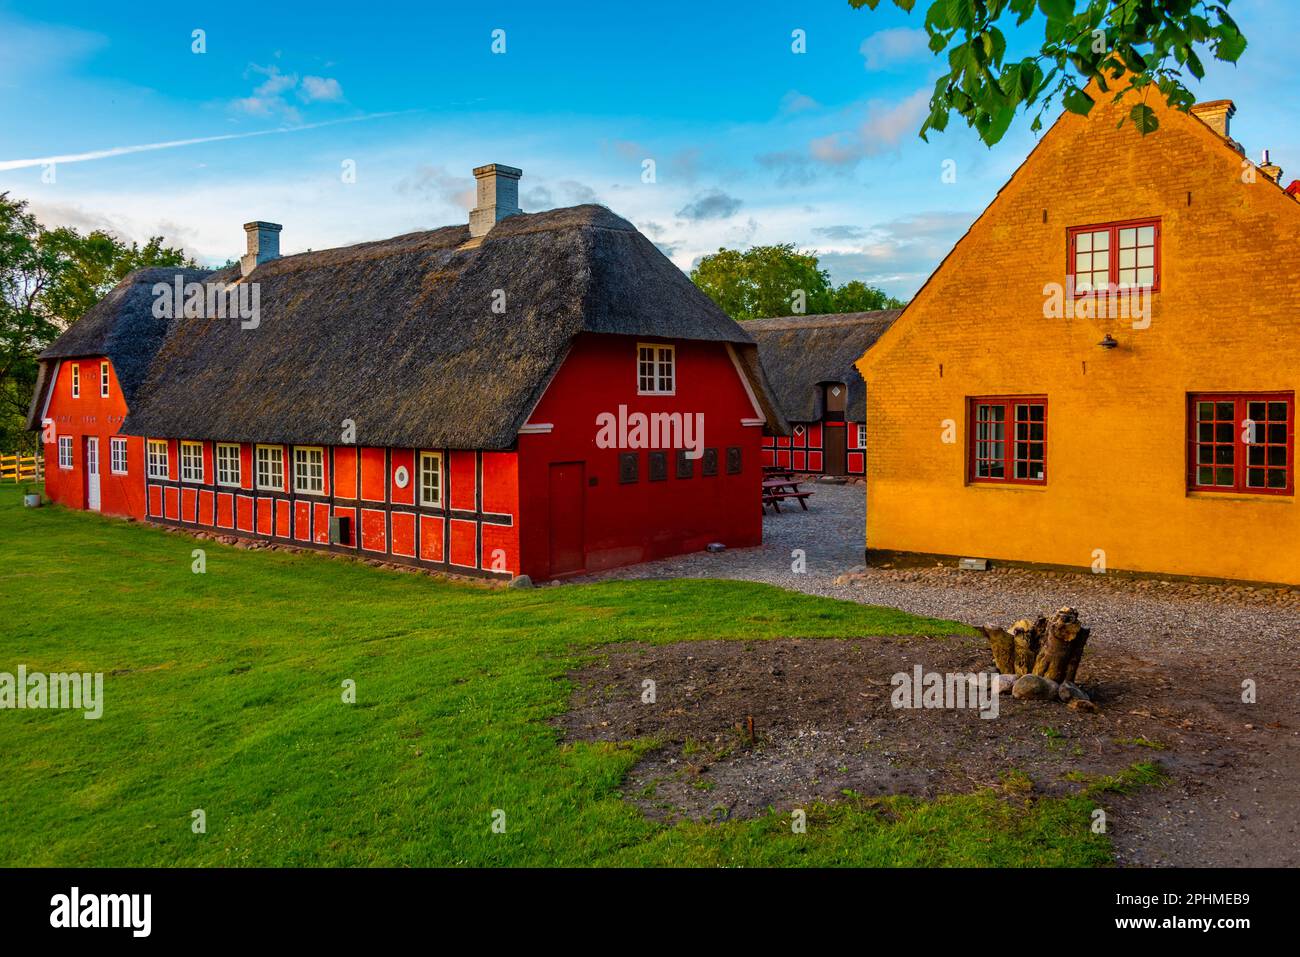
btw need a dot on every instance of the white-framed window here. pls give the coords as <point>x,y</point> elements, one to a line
<point>655,369</point>
<point>65,451</point>
<point>117,455</point>
<point>227,463</point>
<point>270,467</point>
<point>103,380</point>
<point>431,479</point>
<point>76,380</point>
<point>862,436</point>
<point>192,462</point>
<point>309,469</point>
<point>157,455</point>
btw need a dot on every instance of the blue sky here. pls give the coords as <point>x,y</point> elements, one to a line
<point>752,143</point>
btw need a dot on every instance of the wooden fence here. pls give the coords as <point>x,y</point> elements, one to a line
<point>22,468</point>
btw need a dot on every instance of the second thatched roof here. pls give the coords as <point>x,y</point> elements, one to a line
<point>801,352</point>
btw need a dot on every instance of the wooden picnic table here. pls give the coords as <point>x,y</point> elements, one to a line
<point>776,490</point>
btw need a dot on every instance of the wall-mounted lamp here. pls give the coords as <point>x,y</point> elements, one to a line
<point>1108,342</point>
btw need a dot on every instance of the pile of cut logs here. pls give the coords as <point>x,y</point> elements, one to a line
<point>1039,659</point>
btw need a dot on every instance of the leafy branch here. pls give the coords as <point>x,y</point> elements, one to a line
<point>1149,42</point>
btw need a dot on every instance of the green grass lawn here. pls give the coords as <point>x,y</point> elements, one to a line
<point>223,691</point>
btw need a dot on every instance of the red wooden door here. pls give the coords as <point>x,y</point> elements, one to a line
<point>567,489</point>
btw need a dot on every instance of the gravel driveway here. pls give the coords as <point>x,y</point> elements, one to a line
<point>1239,805</point>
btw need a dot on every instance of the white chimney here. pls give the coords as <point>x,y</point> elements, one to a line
<point>1216,114</point>
<point>263,245</point>
<point>498,197</point>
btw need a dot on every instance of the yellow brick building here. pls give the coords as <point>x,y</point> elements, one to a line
<point>1002,424</point>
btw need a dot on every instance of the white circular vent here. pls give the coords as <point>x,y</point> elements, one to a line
<point>401,477</point>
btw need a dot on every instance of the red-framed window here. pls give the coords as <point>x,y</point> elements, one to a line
<point>1006,440</point>
<point>1241,442</point>
<point>1125,255</point>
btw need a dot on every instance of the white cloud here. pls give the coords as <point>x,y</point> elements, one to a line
<point>271,96</point>
<point>888,48</point>
<point>320,89</point>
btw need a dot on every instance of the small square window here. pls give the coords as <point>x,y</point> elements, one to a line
<point>270,467</point>
<point>228,464</point>
<point>192,462</point>
<point>656,369</point>
<point>1124,256</point>
<point>431,479</point>
<point>309,470</point>
<point>117,455</point>
<point>157,455</point>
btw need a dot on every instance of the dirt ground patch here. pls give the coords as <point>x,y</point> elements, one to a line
<point>824,724</point>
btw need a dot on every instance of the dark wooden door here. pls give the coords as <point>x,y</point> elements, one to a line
<point>835,438</point>
<point>567,489</point>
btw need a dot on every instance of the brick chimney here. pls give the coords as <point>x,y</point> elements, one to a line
<point>1216,114</point>
<point>263,245</point>
<point>498,197</point>
<point>1269,168</point>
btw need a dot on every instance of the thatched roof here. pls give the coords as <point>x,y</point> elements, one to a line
<point>400,336</point>
<point>800,352</point>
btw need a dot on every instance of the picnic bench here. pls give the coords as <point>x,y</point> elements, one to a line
<point>778,489</point>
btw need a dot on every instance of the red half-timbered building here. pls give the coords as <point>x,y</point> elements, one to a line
<point>435,398</point>
<point>809,361</point>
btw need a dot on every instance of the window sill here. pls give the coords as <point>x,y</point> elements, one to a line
<point>1280,499</point>
<point>1010,486</point>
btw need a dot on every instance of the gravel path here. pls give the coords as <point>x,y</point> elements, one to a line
<point>1247,813</point>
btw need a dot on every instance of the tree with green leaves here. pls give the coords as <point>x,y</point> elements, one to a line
<point>1124,46</point>
<point>780,280</point>
<point>49,278</point>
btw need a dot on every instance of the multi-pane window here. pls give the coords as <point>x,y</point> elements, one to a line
<point>103,380</point>
<point>431,479</point>
<point>65,451</point>
<point>157,457</point>
<point>1007,439</point>
<point>1125,255</point>
<point>192,462</point>
<point>270,467</point>
<point>1242,442</point>
<point>227,464</point>
<point>655,373</point>
<point>862,436</point>
<point>76,381</point>
<point>309,470</point>
<point>117,455</point>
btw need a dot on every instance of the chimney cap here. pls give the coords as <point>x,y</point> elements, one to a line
<point>1211,106</point>
<point>261,224</point>
<point>497,169</point>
